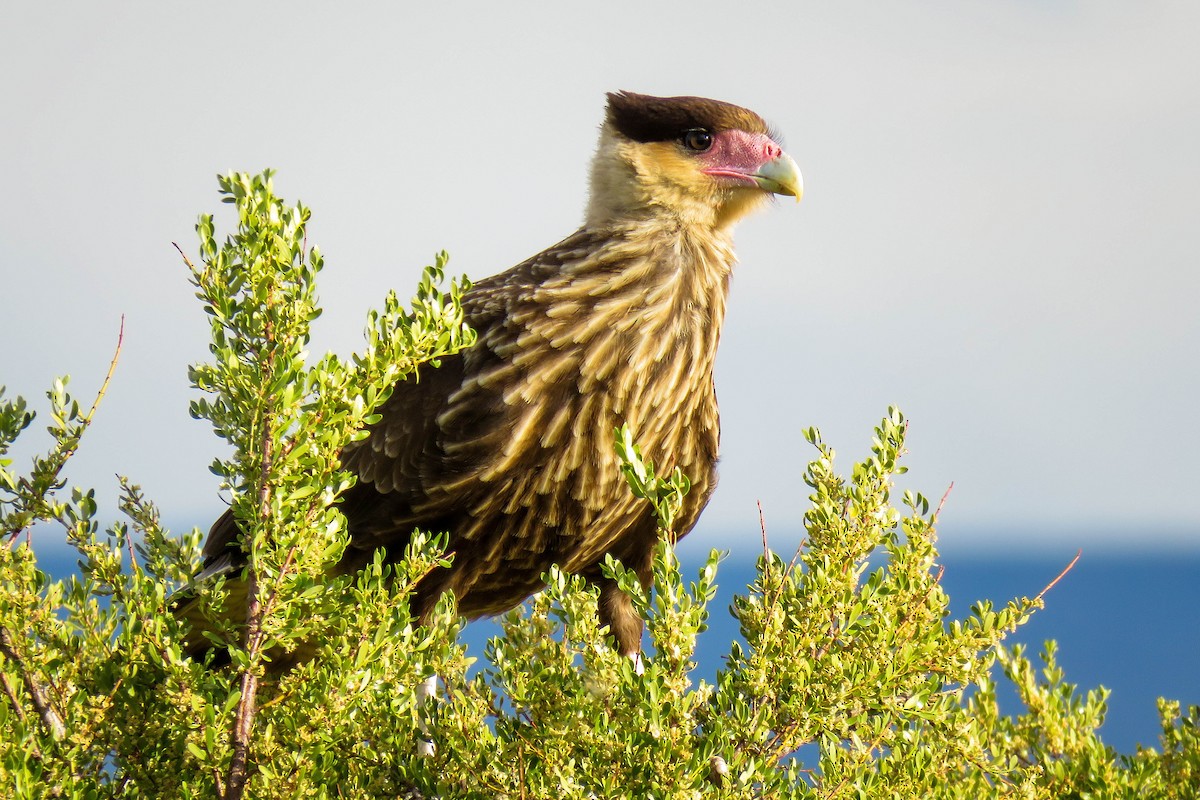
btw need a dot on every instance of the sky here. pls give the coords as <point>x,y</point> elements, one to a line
<point>999,232</point>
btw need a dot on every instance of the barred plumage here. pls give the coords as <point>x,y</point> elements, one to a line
<point>508,445</point>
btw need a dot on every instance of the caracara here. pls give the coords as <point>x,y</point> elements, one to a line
<point>507,446</point>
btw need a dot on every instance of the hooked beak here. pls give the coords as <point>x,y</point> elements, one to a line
<point>780,175</point>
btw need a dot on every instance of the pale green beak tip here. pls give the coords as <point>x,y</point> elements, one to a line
<point>781,175</point>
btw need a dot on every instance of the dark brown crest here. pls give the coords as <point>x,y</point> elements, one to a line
<point>659,119</point>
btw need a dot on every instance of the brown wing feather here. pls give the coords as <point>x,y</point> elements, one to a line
<point>507,445</point>
<point>430,457</point>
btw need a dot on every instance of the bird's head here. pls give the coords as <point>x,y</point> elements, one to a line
<point>702,161</point>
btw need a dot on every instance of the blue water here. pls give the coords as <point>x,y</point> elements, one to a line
<point>1127,623</point>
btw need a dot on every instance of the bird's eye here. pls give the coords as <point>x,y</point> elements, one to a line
<point>697,139</point>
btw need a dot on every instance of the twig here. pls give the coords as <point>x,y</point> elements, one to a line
<point>133,564</point>
<point>112,367</point>
<point>795,557</point>
<point>907,618</point>
<point>1067,569</point>
<point>37,694</point>
<point>834,791</point>
<point>64,455</point>
<point>186,260</point>
<point>762,524</point>
<point>941,503</point>
<point>283,570</point>
<point>244,721</point>
<point>11,691</point>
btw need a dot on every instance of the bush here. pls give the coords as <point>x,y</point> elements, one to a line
<point>852,681</point>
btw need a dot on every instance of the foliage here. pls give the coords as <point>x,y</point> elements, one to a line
<point>850,681</point>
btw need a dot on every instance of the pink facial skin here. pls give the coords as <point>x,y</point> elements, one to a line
<point>739,155</point>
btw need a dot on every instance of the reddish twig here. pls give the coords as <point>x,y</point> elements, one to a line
<point>186,260</point>
<point>1067,569</point>
<point>941,503</point>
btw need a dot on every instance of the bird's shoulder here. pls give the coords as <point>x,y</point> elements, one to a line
<point>441,430</point>
<point>492,299</point>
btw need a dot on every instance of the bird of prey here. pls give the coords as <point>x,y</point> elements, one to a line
<point>507,446</point>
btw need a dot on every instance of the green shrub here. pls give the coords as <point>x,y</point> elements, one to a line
<point>853,681</point>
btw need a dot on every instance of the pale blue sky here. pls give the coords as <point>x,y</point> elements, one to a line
<point>999,233</point>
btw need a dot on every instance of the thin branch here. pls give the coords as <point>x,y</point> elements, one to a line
<point>73,441</point>
<point>37,694</point>
<point>112,367</point>
<point>795,557</point>
<point>907,618</point>
<point>942,503</point>
<point>186,260</point>
<point>762,525</point>
<point>780,746</point>
<point>86,421</point>
<point>134,569</point>
<point>273,594</point>
<point>11,691</point>
<point>834,791</point>
<point>244,721</point>
<point>1061,575</point>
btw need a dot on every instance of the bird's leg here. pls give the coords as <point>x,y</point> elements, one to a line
<point>615,608</point>
<point>617,612</point>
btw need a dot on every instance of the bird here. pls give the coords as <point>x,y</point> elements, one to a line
<point>507,445</point>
